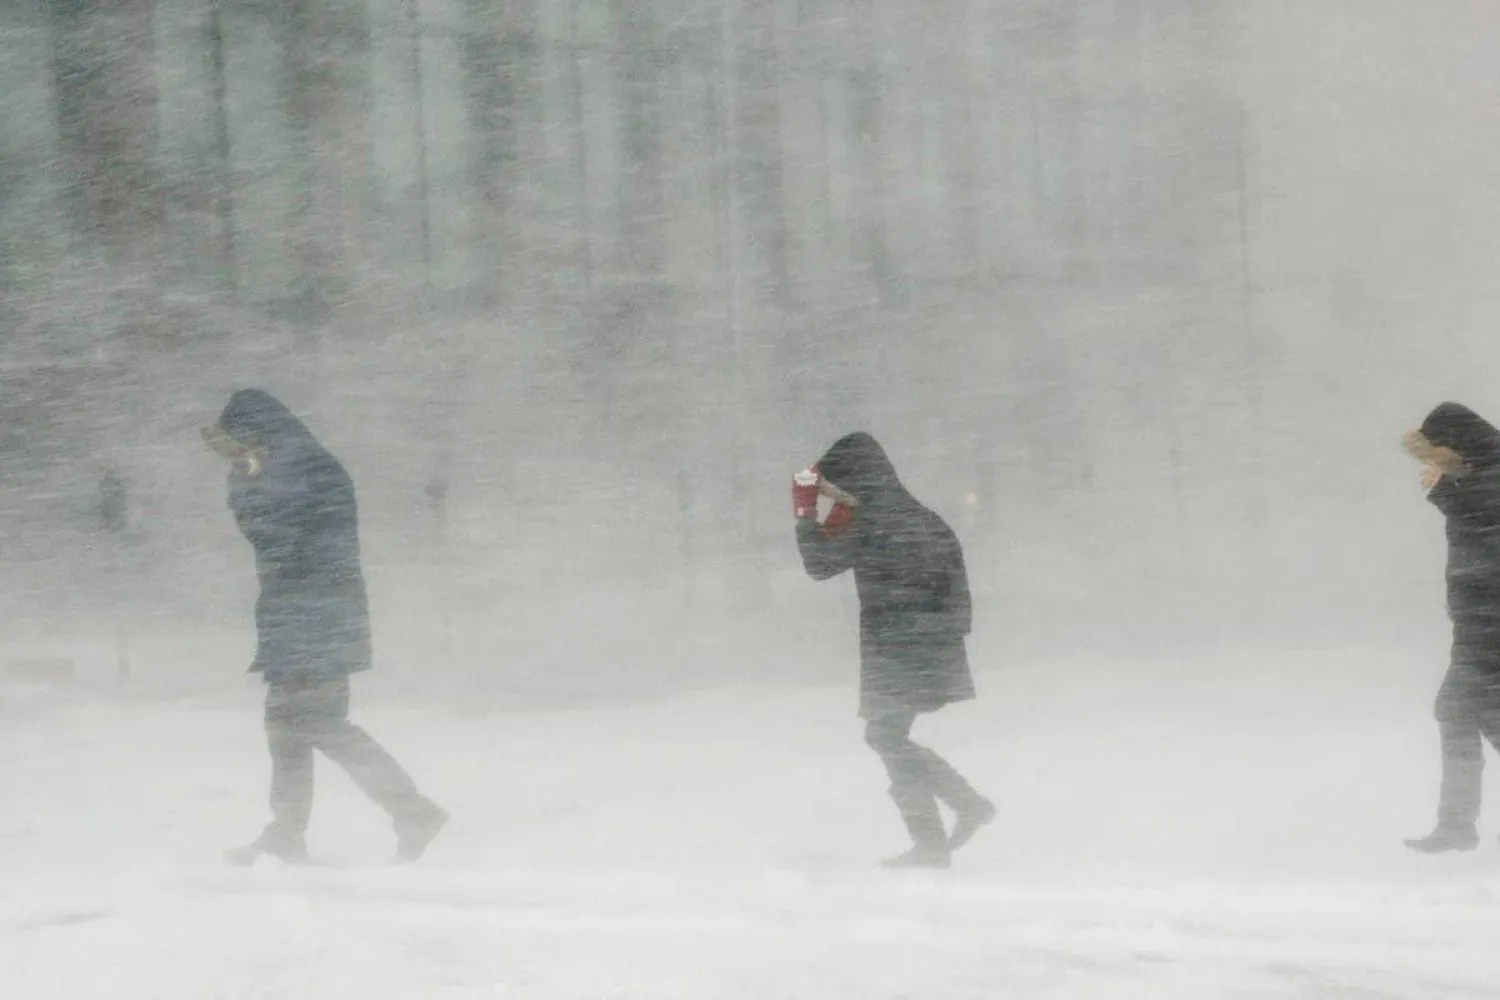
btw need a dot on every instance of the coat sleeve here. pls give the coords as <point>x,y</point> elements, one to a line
<point>1474,500</point>
<point>823,558</point>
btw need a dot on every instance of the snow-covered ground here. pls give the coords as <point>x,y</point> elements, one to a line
<point>1223,827</point>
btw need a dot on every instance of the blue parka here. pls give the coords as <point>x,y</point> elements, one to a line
<point>298,512</point>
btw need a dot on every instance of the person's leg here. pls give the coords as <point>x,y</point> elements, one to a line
<point>1463,774</point>
<point>947,784</point>
<point>953,789</point>
<point>889,736</point>
<point>909,762</point>
<point>1487,716</point>
<point>1487,710</point>
<point>378,775</point>
<point>1458,711</point>
<point>290,742</point>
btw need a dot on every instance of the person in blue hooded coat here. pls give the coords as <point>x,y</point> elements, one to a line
<point>295,504</point>
<point>1460,456</point>
<point>915,614</point>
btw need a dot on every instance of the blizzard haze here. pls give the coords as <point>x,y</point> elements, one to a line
<point>1139,295</point>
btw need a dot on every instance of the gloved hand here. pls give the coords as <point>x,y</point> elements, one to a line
<point>838,520</point>
<point>805,493</point>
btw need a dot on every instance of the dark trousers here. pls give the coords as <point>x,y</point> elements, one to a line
<point>1468,712</point>
<point>303,716</point>
<point>919,777</point>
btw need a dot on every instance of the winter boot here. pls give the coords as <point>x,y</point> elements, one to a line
<point>288,847</point>
<point>970,821</point>
<point>1446,838</point>
<point>413,835</point>
<point>919,812</point>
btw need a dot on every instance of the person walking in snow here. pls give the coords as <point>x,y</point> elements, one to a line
<point>1460,456</point>
<point>915,614</point>
<point>295,504</point>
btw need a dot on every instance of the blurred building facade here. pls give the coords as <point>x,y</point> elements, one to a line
<point>611,268</point>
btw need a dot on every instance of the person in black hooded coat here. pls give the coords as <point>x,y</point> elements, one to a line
<point>915,614</point>
<point>1460,453</point>
<point>295,504</point>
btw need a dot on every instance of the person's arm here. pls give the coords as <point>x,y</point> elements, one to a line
<point>824,554</point>
<point>823,557</point>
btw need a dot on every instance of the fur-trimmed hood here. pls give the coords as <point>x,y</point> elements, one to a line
<point>1455,426</point>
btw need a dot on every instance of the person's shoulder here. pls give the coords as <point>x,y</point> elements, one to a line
<point>934,526</point>
<point>328,470</point>
<point>935,521</point>
<point>1485,480</point>
<point>316,474</point>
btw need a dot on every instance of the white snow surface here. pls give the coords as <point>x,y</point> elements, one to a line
<point>1224,826</point>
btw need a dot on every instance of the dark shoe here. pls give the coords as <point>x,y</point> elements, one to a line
<point>969,822</point>
<point>414,835</point>
<point>290,848</point>
<point>1444,839</point>
<point>920,857</point>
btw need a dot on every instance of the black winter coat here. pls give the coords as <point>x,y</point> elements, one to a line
<point>298,512</point>
<point>1470,503</point>
<point>913,589</point>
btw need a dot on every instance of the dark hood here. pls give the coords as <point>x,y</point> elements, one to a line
<point>258,419</point>
<point>1455,426</point>
<point>858,465</point>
